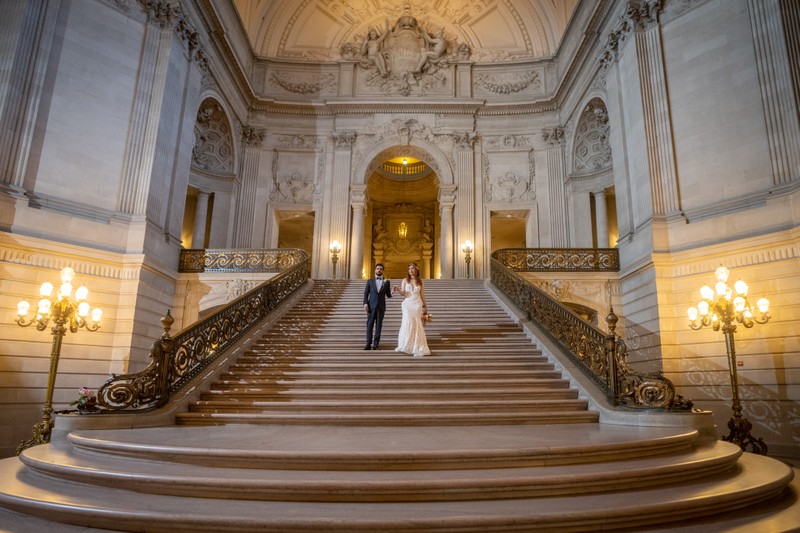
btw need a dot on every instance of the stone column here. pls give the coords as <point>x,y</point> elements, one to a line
<point>358,206</point>
<point>248,178</point>
<point>446,249</point>
<point>601,218</point>
<point>200,221</point>
<point>559,222</point>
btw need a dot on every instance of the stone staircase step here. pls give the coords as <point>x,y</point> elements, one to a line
<point>351,485</point>
<point>416,418</point>
<point>96,504</point>
<point>262,394</point>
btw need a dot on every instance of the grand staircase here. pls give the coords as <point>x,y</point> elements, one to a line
<point>306,431</point>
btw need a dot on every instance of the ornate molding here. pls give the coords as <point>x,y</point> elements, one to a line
<point>300,142</point>
<point>493,85</point>
<point>292,85</point>
<point>509,141</point>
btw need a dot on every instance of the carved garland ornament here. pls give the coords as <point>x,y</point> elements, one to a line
<point>491,84</point>
<point>289,84</point>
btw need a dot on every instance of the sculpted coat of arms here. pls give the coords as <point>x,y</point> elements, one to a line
<point>405,56</point>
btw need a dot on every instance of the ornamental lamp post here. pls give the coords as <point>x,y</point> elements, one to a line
<point>65,312</point>
<point>467,249</point>
<point>336,249</point>
<point>722,308</point>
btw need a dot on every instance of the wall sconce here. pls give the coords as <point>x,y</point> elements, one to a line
<point>405,161</point>
<point>336,249</point>
<point>65,312</point>
<point>467,249</point>
<point>720,309</point>
<point>402,230</point>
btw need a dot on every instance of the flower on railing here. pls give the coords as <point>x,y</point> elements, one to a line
<point>87,401</point>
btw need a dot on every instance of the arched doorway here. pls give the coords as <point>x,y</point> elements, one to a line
<point>402,216</point>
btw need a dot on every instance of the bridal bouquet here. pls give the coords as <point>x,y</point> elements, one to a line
<point>427,317</point>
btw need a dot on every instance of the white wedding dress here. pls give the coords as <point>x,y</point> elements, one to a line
<point>411,338</point>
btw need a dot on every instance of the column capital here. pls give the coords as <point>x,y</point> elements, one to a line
<point>344,139</point>
<point>252,136</point>
<point>554,136</point>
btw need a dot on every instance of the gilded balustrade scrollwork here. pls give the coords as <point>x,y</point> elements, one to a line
<point>601,356</point>
<point>559,259</point>
<point>176,360</point>
<point>237,260</point>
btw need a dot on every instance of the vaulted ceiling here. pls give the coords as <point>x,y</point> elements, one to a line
<point>315,30</point>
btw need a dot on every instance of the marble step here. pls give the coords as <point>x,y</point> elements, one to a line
<point>297,394</point>
<point>322,485</point>
<point>397,382</point>
<point>336,406</point>
<point>385,447</point>
<point>391,418</point>
<point>753,481</point>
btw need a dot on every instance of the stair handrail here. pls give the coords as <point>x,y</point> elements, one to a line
<point>600,356</point>
<point>176,360</point>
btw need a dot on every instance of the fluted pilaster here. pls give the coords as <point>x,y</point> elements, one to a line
<point>248,180</point>
<point>559,222</point>
<point>145,119</point>
<point>27,27</point>
<point>776,44</point>
<point>465,229</point>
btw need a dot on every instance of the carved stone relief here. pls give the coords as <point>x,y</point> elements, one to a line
<point>406,58</point>
<point>509,84</point>
<point>303,85</point>
<point>509,176</point>
<point>213,141</point>
<point>592,151</point>
<point>294,177</point>
<point>508,141</point>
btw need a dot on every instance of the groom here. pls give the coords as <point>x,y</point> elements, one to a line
<point>375,294</point>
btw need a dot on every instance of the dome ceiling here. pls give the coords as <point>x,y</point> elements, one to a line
<point>315,30</point>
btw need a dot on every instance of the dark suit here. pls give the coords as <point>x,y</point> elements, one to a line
<point>376,300</point>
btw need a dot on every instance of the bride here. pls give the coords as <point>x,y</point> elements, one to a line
<point>411,338</point>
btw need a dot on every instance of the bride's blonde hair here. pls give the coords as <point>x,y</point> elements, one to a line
<point>416,274</point>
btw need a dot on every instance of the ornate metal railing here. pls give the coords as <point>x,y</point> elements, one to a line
<point>175,361</point>
<point>602,357</point>
<point>237,260</point>
<point>559,259</point>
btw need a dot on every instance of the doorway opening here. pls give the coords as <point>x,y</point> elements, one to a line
<point>508,229</point>
<point>296,230</point>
